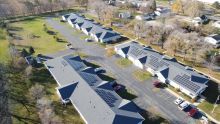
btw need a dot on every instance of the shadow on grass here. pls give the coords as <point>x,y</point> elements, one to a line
<point>91,64</point>
<point>105,77</point>
<point>42,76</point>
<point>211,93</point>
<point>126,95</point>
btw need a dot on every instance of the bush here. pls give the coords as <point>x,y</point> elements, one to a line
<point>31,50</point>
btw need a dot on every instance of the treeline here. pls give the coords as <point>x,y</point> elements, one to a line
<point>12,8</point>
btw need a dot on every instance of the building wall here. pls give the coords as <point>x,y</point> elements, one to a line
<point>151,71</point>
<point>120,52</point>
<point>138,64</point>
<point>161,78</point>
<point>175,85</point>
<point>85,31</point>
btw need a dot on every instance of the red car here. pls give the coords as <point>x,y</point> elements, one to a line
<point>192,112</point>
<point>157,84</point>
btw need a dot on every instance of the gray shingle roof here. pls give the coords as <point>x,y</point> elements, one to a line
<point>94,98</point>
<point>168,67</point>
<point>92,27</point>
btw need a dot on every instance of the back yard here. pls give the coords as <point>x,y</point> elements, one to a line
<point>31,33</point>
<point>24,34</point>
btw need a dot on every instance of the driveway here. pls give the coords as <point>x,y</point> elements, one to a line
<point>148,96</point>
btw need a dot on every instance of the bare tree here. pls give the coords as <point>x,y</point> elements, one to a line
<point>28,71</point>
<point>150,7</point>
<point>98,6</point>
<point>193,8</point>
<point>37,91</point>
<point>46,112</point>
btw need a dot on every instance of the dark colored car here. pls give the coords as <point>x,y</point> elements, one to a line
<point>157,84</point>
<point>117,88</point>
<point>192,112</point>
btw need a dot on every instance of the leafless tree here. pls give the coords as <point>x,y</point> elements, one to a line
<point>46,112</point>
<point>98,6</point>
<point>149,8</point>
<point>193,8</point>
<point>28,71</point>
<point>37,91</point>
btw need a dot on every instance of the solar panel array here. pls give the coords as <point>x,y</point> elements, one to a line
<point>89,78</point>
<point>154,61</point>
<point>184,81</point>
<point>109,98</point>
<point>136,51</point>
<point>75,64</point>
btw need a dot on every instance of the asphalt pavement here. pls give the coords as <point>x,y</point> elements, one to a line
<point>147,96</point>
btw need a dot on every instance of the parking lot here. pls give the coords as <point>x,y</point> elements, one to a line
<point>147,95</point>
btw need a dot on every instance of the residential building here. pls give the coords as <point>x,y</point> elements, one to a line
<point>167,69</point>
<point>89,27</point>
<point>209,1</point>
<point>124,15</point>
<point>213,39</point>
<point>93,98</point>
<point>216,24</point>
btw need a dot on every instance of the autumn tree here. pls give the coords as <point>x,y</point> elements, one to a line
<point>178,6</point>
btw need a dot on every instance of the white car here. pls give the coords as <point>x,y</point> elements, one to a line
<point>183,105</point>
<point>99,70</point>
<point>178,101</point>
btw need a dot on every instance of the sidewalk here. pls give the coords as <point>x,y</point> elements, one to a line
<point>210,117</point>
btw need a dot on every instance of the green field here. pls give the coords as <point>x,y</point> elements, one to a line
<point>4,50</point>
<point>43,42</point>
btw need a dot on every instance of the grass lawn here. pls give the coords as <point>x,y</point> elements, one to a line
<point>4,50</point>
<point>141,75</point>
<point>122,62</point>
<point>43,43</point>
<point>83,37</point>
<point>211,93</point>
<point>29,113</point>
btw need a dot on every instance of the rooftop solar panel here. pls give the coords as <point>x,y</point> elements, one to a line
<point>184,81</point>
<point>109,98</point>
<point>89,78</point>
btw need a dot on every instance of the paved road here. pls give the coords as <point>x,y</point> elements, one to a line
<point>148,96</point>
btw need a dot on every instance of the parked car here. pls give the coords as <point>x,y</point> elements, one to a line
<point>157,84</point>
<point>88,40</point>
<point>99,70</point>
<point>183,105</point>
<point>69,45</point>
<point>178,101</point>
<point>192,112</point>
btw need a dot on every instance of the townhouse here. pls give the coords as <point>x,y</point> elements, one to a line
<point>91,28</point>
<point>167,69</point>
<point>93,98</point>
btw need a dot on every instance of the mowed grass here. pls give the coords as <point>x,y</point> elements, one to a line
<point>122,62</point>
<point>4,47</point>
<point>208,107</point>
<point>141,75</point>
<point>4,51</point>
<point>44,43</point>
